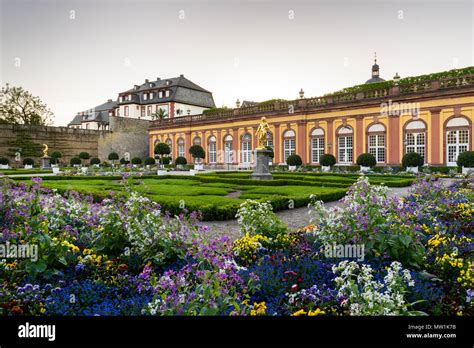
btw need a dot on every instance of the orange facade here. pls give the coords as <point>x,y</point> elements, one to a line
<point>433,118</point>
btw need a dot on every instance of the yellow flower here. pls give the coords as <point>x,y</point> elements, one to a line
<point>299,313</point>
<point>316,312</point>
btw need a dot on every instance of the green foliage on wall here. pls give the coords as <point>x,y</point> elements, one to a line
<point>405,81</point>
<point>25,145</point>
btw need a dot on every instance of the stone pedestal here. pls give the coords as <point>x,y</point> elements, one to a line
<point>45,162</point>
<point>261,170</point>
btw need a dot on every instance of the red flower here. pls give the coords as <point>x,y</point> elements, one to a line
<point>122,267</point>
<point>299,280</point>
<point>290,273</point>
<point>294,288</point>
<point>17,310</point>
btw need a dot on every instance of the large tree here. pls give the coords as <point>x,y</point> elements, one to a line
<point>19,106</point>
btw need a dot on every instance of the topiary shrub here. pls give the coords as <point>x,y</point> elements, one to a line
<point>55,156</point>
<point>412,159</point>
<point>466,159</point>
<point>327,160</point>
<point>84,155</point>
<point>180,160</point>
<point>4,161</point>
<point>196,151</point>
<point>150,161</point>
<point>75,161</point>
<point>28,162</point>
<point>162,149</point>
<point>124,161</point>
<point>166,160</point>
<point>95,160</point>
<point>366,160</point>
<point>136,160</point>
<point>113,156</point>
<point>294,160</point>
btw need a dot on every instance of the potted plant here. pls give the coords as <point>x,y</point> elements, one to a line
<point>411,161</point>
<point>84,156</point>
<point>75,162</point>
<point>366,161</point>
<point>198,153</point>
<point>28,163</point>
<point>149,161</point>
<point>180,162</point>
<point>136,161</point>
<point>4,163</point>
<point>466,161</point>
<point>95,162</point>
<point>327,161</point>
<point>293,161</point>
<point>162,149</point>
<point>113,156</point>
<point>55,156</point>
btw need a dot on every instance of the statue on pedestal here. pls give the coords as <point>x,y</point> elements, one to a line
<point>45,160</point>
<point>261,170</point>
<point>262,133</point>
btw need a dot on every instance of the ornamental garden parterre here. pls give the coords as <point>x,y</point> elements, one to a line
<point>125,255</point>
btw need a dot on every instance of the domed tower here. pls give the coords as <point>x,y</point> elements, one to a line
<point>375,72</point>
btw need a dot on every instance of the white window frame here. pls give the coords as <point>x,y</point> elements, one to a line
<point>246,149</point>
<point>317,145</point>
<point>345,148</point>
<point>212,149</point>
<point>228,152</point>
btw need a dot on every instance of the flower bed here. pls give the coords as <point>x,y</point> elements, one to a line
<point>125,256</point>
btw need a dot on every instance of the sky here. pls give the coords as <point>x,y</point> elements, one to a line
<point>75,55</point>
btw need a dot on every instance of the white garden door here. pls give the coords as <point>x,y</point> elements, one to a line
<point>457,142</point>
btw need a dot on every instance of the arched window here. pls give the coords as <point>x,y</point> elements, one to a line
<point>457,139</point>
<point>269,141</point>
<point>376,141</point>
<point>246,148</point>
<point>345,142</point>
<point>317,145</point>
<point>289,144</point>
<point>180,147</point>
<point>197,141</point>
<point>170,144</point>
<point>415,138</point>
<point>228,153</point>
<point>212,150</point>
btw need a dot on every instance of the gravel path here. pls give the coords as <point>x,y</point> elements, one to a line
<point>293,218</point>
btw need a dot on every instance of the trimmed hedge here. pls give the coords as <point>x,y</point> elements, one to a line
<point>95,160</point>
<point>366,160</point>
<point>412,159</point>
<point>327,160</point>
<point>28,162</point>
<point>466,159</point>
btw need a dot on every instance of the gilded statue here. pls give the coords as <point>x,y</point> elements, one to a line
<point>262,133</point>
<point>45,150</point>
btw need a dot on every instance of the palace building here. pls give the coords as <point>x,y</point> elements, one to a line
<point>158,99</point>
<point>430,114</point>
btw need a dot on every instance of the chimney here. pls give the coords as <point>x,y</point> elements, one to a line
<point>146,81</point>
<point>158,79</point>
<point>109,101</point>
<point>181,75</point>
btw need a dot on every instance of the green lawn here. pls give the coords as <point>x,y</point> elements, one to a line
<point>218,195</point>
